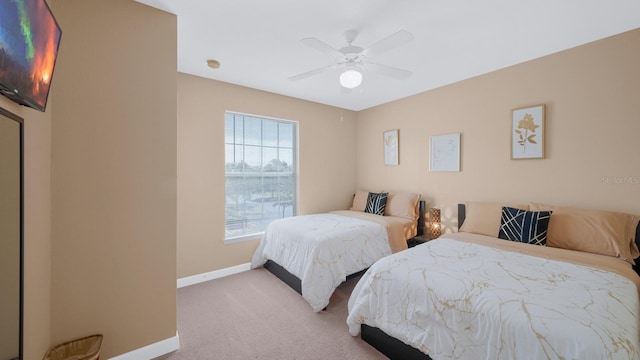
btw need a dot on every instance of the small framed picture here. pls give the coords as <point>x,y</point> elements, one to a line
<point>390,142</point>
<point>445,153</point>
<point>527,133</point>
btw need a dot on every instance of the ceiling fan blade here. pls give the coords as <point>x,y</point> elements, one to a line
<point>400,38</point>
<point>311,73</point>
<point>321,46</point>
<point>387,70</point>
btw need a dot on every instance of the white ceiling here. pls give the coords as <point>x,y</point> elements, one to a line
<point>258,43</point>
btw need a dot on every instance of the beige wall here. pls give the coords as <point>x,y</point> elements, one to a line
<point>114,175</point>
<point>37,227</point>
<point>591,94</point>
<point>327,156</point>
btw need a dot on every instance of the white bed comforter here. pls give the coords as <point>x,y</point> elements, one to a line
<point>459,300</point>
<point>321,250</point>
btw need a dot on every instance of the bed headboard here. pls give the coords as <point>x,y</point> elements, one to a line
<point>462,214</point>
<point>421,210</point>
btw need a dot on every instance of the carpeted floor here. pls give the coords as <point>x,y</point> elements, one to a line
<point>254,315</point>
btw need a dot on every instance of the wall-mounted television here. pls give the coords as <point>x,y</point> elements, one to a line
<point>29,40</point>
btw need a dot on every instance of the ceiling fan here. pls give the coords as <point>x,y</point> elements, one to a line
<point>355,59</point>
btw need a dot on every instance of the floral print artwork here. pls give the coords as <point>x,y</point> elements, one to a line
<point>526,131</point>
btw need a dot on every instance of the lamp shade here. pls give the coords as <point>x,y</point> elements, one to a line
<point>435,229</point>
<point>351,78</point>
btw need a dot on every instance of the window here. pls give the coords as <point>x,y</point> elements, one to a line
<point>260,173</point>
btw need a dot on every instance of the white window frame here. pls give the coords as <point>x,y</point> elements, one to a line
<point>239,145</point>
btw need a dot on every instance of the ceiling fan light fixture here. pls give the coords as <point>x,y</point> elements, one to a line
<point>351,78</point>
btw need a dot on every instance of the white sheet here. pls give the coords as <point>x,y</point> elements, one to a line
<point>321,250</point>
<point>459,300</point>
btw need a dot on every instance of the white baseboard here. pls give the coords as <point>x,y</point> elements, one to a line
<point>152,351</point>
<point>195,279</point>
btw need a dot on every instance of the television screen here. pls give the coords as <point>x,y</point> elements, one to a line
<point>29,40</point>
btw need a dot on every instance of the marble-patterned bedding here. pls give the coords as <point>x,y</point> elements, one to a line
<point>322,249</point>
<point>457,299</point>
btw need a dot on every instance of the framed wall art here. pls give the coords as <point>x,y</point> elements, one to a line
<point>527,133</point>
<point>390,143</point>
<point>445,153</point>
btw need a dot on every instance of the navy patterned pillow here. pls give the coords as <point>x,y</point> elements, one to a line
<point>376,202</point>
<point>524,226</point>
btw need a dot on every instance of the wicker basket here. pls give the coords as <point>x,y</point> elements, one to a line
<point>87,348</point>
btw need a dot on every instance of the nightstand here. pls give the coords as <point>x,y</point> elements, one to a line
<point>417,240</point>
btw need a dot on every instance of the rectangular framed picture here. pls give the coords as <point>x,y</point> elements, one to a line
<point>391,141</point>
<point>444,153</point>
<point>527,133</point>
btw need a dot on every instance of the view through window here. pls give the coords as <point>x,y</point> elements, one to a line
<point>260,173</point>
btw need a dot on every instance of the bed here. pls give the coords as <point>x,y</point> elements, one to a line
<point>471,295</point>
<point>315,253</point>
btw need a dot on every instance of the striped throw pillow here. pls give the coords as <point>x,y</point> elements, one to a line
<point>376,203</point>
<point>524,226</point>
